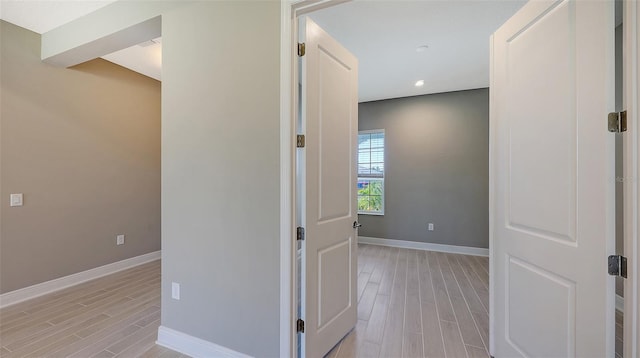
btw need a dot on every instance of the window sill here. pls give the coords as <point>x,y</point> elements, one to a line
<point>370,213</point>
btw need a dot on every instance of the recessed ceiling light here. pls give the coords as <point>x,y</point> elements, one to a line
<point>151,42</point>
<point>419,83</point>
<point>422,48</point>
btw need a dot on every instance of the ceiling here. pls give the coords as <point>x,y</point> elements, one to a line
<point>383,35</point>
<point>44,15</point>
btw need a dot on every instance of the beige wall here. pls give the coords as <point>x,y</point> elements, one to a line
<point>83,145</point>
<point>220,162</point>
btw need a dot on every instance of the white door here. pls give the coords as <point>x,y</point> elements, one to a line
<point>552,181</point>
<point>330,122</point>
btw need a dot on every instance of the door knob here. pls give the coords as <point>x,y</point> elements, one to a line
<point>356,225</point>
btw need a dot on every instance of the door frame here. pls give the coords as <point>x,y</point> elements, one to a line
<point>290,10</point>
<point>631,98</point>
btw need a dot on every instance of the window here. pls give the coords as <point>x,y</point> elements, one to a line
<point>371,172</point>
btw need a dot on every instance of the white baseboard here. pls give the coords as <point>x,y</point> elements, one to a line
<point>193,346</point>
<point>453,249</point>
<point>27,293</point>
<point>619,303</point>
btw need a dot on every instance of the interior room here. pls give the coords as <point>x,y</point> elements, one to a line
<point>423,245</point>
<point>165,184</point>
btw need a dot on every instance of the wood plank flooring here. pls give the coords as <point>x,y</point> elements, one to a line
<point>419,304</point>
<point>410,304</point>
<point>113,316</point>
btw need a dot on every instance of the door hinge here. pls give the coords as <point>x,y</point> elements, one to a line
<point>302,49</point>
<point>617,122</point>
<point>300,325</point>
<point>617,266</point>
<point>300,141</point>
<point>299,233</point>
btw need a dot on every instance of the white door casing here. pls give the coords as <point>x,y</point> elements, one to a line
<point>330,123</point>
<point>552,181</point>
<point>631,45</point>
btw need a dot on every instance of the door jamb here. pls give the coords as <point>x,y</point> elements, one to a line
<point>492,190</point>
<point>631,73</point>
<point>287,270</point>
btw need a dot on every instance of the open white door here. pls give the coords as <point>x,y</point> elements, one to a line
<point>552,181</point>
<point>330,123</point>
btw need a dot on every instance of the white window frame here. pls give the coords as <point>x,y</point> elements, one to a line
<point>384,189</point>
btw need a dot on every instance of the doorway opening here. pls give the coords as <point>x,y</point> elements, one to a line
<point>325,4</point>
<point>438,226</point>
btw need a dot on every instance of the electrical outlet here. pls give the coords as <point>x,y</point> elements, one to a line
<point>175,290</point>
<point>120,240</point>
<point>430,226</point>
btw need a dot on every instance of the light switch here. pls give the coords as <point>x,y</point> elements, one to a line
<point>16,200</point>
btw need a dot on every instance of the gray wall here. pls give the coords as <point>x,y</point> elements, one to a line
<point>83,146</point>
<point>221,173</point>
<point>437,168</point>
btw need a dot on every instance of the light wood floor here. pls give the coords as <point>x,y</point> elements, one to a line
<point>419,304</point>
<point>117,315</point>
<point>411,304</point>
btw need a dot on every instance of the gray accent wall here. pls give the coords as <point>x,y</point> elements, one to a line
<point>436,170</point>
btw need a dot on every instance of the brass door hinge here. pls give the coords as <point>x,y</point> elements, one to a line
<point>617,122</point>
<point>617,266</point>
<point>300,141</point>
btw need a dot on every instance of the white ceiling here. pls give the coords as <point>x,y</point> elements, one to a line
<point>383,35</point>
<point>44,15</point>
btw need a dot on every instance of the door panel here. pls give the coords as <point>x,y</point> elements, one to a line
<point>553,165</point>
<point>330,118</point>
<point>335,180</point>
<point>333,283</point>
<point>554,303</point>
<point>552,180</point>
